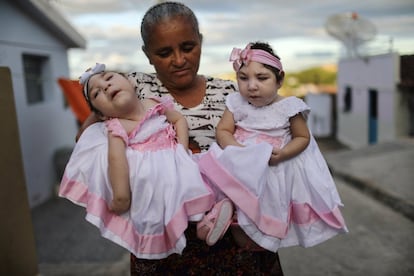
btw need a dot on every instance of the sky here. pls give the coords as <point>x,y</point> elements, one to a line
<point>296,29</point>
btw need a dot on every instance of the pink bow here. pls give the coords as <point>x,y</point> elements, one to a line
<point>239,56</point>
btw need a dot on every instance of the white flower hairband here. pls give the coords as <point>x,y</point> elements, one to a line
<point>84,78</point>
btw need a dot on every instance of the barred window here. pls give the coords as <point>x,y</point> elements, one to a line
<point>34,76</point>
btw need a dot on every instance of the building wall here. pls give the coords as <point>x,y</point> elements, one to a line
<point>320,119</point>
<point>402,116</point>
<point>379,73</point>
<point>46,126</point>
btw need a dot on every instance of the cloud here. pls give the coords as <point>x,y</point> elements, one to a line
<point>99,7</point>
<point>296,29</point>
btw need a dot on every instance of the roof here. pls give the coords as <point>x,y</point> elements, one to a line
<point>53,21</point>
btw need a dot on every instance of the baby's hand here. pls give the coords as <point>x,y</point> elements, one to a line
<point>275,157</point>
<point>120,205</point>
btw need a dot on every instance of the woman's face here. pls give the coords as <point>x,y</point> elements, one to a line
<point>174,50</point>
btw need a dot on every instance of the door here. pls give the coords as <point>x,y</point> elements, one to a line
<point>373,117</point>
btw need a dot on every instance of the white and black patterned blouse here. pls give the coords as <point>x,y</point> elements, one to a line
<point>202,119</point>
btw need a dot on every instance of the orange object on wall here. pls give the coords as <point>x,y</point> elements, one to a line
<point>72,90</point>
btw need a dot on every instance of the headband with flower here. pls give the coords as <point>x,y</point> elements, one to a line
<point>240,57</point>
<point>84,78</point>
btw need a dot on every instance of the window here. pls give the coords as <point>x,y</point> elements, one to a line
<point>34,76</point>
<point>348,99</point>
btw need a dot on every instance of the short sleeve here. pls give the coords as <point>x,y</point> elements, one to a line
<point>114,126</point>
<point>167,102</point>
<point>294,106</point>
<point>147,85</point>
<point>163,104</point>
<point>233,101</point>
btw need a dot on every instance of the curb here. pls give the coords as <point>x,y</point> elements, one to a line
<point>398,204</point>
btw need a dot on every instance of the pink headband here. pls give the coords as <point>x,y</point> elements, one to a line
<point>240,57</point>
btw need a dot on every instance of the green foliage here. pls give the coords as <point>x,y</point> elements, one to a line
<point>296,83</point>
<point>315,75</point>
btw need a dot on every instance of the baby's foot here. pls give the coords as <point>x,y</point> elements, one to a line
<point>213,226</point>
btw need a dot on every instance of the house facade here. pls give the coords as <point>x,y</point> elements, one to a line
<point>321,119</point>
<point>34,40</point>
<point>370,106</point>
<point>321,100</point>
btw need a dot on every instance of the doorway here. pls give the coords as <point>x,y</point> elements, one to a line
<point>373,116</point>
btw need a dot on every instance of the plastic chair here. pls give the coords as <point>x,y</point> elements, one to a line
<point>72,90</point>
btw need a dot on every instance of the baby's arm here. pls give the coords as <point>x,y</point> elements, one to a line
<point>300,140</point>
<point>181,126</point>
<point>118,170</point>
<point>225,130</point>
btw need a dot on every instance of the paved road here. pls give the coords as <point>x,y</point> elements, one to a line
<point>380,242</point>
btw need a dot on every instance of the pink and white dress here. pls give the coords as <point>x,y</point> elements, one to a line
<point>292,203</point>
<point>166,185</point>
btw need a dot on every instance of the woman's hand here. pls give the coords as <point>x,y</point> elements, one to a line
<point>92,118</point>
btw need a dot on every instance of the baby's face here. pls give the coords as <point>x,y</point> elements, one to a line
<point>110,91</point>
<point>257,84</point>
<point>107,82</point>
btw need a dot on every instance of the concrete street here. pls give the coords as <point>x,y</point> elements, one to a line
<point>379,243</point>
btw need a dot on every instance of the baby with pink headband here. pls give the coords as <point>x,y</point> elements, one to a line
<point>267,162</point>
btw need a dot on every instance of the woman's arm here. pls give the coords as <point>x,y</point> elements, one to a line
<point>181,126</point>
<point>300,140</point>
<point>225,130</point>
<point>92,118</point>
<point>118,170</point>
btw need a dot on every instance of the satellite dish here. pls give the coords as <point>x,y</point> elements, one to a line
<point>351,30</point>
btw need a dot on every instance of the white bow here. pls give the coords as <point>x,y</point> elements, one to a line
<point>99,68</point>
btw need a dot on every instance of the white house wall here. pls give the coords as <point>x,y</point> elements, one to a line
<point>379,73</point>
<point>352,126</point>
<point>320,117</point>
<point>43,127</point>
<point>386,114</point>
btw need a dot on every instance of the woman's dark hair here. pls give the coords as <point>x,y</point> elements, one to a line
<point>266,47</point>
<point>164,11</point>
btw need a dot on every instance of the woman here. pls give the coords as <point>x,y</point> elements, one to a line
<point>172,43</point>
